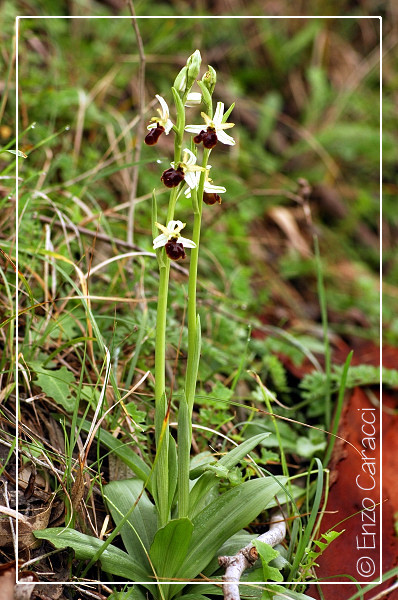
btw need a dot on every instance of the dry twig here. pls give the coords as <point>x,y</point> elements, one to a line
<point>247,556</point>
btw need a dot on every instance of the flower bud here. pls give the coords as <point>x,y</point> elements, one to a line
<point>209,79</point>
<point>193,64</point>
<point>188,74</point>
<point>180,82</point>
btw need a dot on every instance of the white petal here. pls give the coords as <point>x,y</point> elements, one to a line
<point>188,189</point>
<point>219,113</point>
<point>161,240</point>
<point>186,243</point>
<point>192,158</point>
<point>168,126</point>
<point>224,138</point>
<point>190,179</point>
<point>165,108</point>
<point>195,128</point>
<point>214,189</point>
<point>173,225</point>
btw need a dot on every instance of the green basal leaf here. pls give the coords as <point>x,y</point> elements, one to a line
<point>278,592</point>
<point>113,560</point>
<point>193,597</point>
<point>170,546</point>
<point>224,517</point>
<point>139,531</point>
<point>209,479</point>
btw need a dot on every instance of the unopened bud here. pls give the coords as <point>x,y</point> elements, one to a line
<point>209,79</point>
<point>188,74</point>
<point>180,82</point>
<point>193,64</point>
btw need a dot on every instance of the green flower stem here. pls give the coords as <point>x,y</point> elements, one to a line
<point>161,471</point>
<point>185,413</point>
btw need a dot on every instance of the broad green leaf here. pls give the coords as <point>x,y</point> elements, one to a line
<point>113,560</point>
<point>57,384</point>
<point>281,498</point>
<point>199,463</point>
<point>267,554</point>
<point>232,457</point>
<point>170,546</point>
<point>139,531</point>
<point>252,592</point>
<point>278,592</point>
<point>221,519</point>
<point>208,480</point>
<point>124,452</point>
<point>193,597</point>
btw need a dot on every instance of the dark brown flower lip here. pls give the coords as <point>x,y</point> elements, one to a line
<point>172,177</point>
<point>154,134</point>
<point>208,137</point>
<point>175,250</point>
<point>211,198</point>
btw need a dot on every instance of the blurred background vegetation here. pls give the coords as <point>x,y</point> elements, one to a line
<point>307,93</point>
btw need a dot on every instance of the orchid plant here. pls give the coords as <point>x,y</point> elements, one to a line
<point>173,516</point>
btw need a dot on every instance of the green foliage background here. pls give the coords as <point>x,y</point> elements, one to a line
<point>307,93</point>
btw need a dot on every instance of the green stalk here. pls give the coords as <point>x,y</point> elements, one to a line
<point>161,405</point>
<point>161,434</point>
<point>194,334</point>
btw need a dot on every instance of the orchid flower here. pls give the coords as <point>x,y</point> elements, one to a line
<point>159,125</point>
<point>214,129</point>
<point>172,240</point>
<point>184,170</point>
